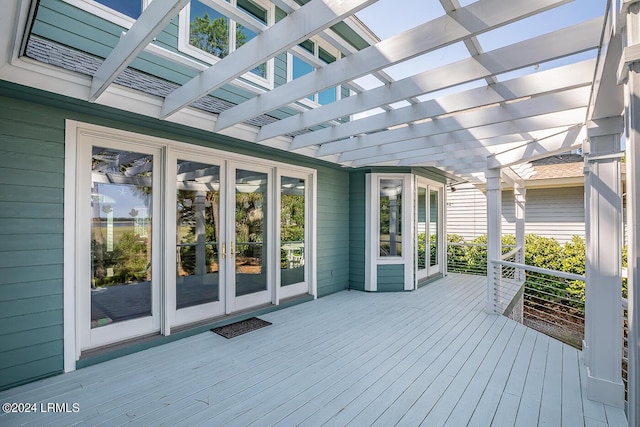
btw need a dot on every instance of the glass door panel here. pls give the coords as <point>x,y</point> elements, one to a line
<point>292,230</point>
<point>198,234</point>
<point>434,222</point>
<point>249,250</point>
<point>124,294</point>
<point>422,228</point>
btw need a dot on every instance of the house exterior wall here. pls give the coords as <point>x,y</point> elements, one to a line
<point>357,230</point>
<point>31,219</point>
<point>550,212</point>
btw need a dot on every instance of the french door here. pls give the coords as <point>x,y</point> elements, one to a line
<point>429,229</point>
<point>118,241</point>
<point>222,233</point>
<point>168,235</point>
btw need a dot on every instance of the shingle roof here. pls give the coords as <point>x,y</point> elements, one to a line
<point>46,51</point>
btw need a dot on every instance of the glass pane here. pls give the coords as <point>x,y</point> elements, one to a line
<point>254,10</point>
<point>209,30</point>
<point>433,228</point>
<point>243,35</point>
<point>132,8</point>
<point>422,228</point>
<point>327,96</point>
<point>390,217</point>
<point>121,202</point>
<point>251,232</point>
<point>292,230</point>
<point>198,231</point>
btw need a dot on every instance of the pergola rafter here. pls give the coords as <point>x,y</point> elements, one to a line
<point>478,17</point>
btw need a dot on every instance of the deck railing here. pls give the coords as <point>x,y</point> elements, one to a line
<point>552,301</point>
<point>469,258</point>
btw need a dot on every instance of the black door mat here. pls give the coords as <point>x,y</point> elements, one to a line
<point>242,327</point>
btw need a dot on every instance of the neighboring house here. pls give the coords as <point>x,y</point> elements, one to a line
<point>554,202</point>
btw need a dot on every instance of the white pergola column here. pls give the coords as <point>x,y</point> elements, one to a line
<point>603,308</point>
<point>494,234</point>
<point>520,193</point>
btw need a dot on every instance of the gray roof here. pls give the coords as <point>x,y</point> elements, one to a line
<point>46,51</point>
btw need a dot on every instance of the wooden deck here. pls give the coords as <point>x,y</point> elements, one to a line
<point>430,357</point>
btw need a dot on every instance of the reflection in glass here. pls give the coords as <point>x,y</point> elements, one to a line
<point>198,228</point>
<point>121,202</point>
<point>251,232</point>
<point>209,30</point>
<point>422,228</point>
<point>433,228</point>
<point>390,235</point>
<point>292,230</point>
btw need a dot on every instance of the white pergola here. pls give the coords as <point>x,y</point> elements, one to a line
<point>486,133</point>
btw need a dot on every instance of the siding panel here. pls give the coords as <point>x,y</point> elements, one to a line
<point>550,212</point>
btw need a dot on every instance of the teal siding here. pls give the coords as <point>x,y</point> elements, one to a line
<point>31,219</point>
<point>357,230</point>
<point>31,242</point>
<point>390,277</point>
<point>333,231</point>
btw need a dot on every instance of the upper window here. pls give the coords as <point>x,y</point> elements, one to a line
<point>210,35</point>
<point>130,8</point>
<point>298,67</point>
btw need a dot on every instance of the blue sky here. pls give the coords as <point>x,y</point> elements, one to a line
<point>390,17</point>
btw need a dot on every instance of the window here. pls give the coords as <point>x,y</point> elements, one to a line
<point>130,8</point>
<point>209,35</point>
<point>166,234</point>
<point>299,67</point>
<point>390,214</point>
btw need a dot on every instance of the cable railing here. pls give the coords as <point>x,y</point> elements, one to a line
<point>552,301</point>
<point>469,258</point>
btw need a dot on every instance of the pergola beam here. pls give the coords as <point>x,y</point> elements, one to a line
<point>152,20</point>
<point>544,105</point>
<point>529,52</point>
<point>476,18</point>
<point>561,78</point>
<point>468,136</point>
<point>563,142</point>
<point>295,28</point>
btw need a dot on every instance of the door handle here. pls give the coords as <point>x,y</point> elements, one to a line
<point>233,252</point>
<point>224,251</point>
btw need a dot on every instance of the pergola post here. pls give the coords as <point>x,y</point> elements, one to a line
<point>603,222</point>
<point>632,112</point>
<point>520,193</point>
<point>494,235</point>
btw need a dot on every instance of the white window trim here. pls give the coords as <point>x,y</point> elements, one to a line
<point>185,47</point>
<point>71,331</point>
<point>442,242</point>
<point>307,286</point>
<point>106,12</point>
<point>317,43</point>
<point>126,22</point>
<point>372,224</point>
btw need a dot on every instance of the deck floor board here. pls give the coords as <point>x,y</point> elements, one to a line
<point>431,357</point>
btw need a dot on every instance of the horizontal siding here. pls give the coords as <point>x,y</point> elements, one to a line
<point>333,231</point>
<point>390,277</point>
<point>357,230</point>
<point>31,241</point>
<point>550,212</point>
<point>31,220</point>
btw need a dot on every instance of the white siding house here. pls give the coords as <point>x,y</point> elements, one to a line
<point>555,203</point>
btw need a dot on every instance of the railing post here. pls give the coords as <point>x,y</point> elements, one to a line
<point>494,236</point>
<point>520,192</point>
<point>603,220</point>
